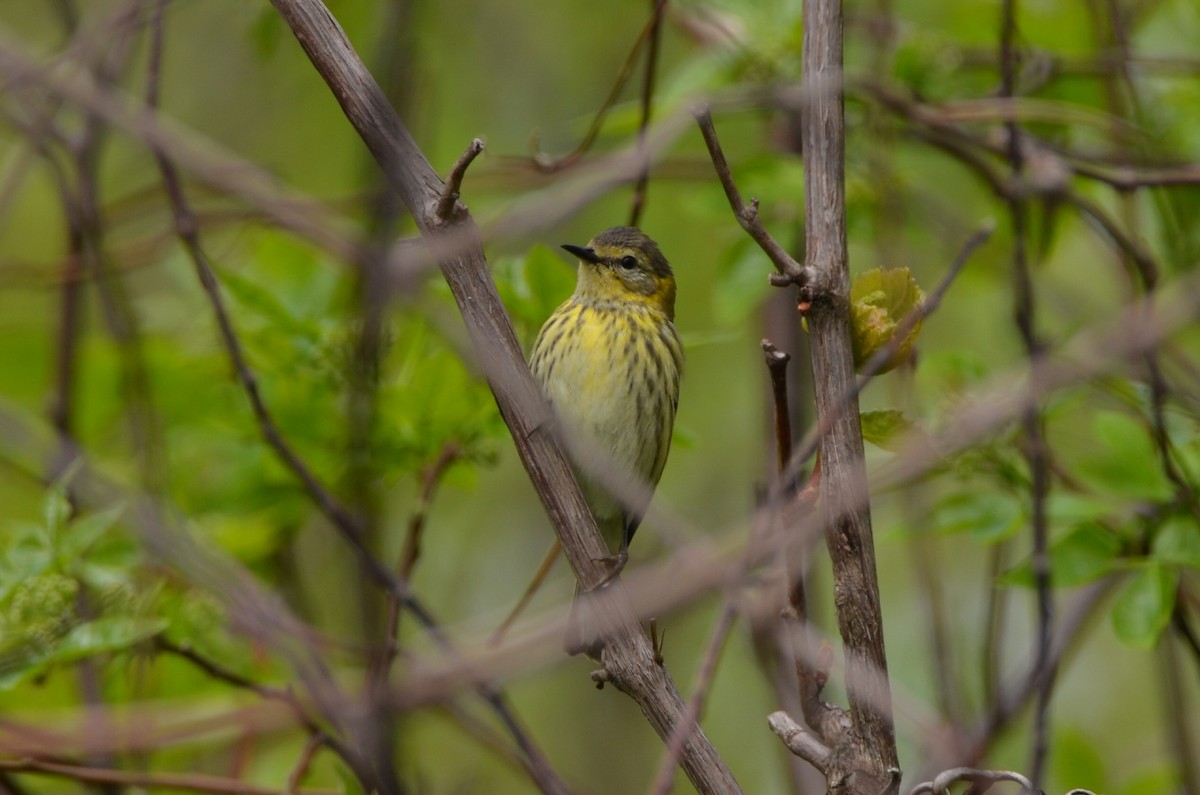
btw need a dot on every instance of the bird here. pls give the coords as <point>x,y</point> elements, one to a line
<point>610,361</point>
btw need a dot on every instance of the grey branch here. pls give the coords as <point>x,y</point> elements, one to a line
<point>629,656</point>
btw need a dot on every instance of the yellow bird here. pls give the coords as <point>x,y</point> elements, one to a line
<point>609,361</point>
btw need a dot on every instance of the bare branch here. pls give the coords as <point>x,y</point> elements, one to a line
<point>747,215</point>
<point>800,741</point>
<point>452,188</point>
<point>629,657</point>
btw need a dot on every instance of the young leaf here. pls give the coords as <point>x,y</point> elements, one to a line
<point>885,428</point>
<point>879,302</point>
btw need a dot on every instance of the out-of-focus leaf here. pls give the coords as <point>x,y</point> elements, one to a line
<point>1083,555</point>
<point>1154,782</point>
<point>885,428</point>
<point>1125,465</point>
<point>1144,605</point>
<point>113,633</point>
<point>879,300</point>
<point>1066,508</point>
<point>1077,759</point>
<point>1178,542</point>
<point>55,510</point>
<point>987,515</point>
<point>245,536</point>
<point>86,531</point>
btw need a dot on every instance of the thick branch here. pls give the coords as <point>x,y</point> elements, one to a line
<point>843,502</point>
<point>628,656</point>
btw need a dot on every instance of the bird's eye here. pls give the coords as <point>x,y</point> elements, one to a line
<point>628,262</point>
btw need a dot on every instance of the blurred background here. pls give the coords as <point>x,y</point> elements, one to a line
<point>109,342</point>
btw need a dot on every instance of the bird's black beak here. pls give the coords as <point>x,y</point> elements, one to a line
<point>583,252</point>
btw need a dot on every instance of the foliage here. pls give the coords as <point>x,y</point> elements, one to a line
<point>111,349</point>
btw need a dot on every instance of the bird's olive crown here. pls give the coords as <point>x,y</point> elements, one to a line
<point>628,247</point>
<point>623,268</point>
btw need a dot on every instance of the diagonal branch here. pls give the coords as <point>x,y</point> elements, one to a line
<point>629,656</point>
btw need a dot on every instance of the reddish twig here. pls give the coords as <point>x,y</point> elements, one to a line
<point>777,362</point>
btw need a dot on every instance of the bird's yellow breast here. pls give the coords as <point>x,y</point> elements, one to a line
<point>611,371</point>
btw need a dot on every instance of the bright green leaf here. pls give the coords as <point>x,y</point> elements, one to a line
<point>880,300</point>
<point>1144,605</point>
<point>1083,555</point>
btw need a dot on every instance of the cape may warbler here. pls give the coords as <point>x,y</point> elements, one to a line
<point>609,361</point>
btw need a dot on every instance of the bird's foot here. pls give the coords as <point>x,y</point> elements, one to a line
<point>615,563</point>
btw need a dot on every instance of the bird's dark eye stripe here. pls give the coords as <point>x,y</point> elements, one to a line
<point>628,261</point>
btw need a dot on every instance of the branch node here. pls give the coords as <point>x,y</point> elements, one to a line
<point>800,741</point>
<point>601,677</point>
<point>448,206</point>
<point>893,785</point>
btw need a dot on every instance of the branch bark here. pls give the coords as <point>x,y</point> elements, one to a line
<point>629,657</point>
<point>844,505</point>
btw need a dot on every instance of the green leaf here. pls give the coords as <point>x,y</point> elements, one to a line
<point>112,633</point>
<point>1077,759</point>
<point>879,301</point>
<point>1066,508</point>
<point>1144,605</point>
<point>86,531</point>
<point>56,509</point>
<point>1125,465</point>
<point>987,515</point>
<point>885,428</point>
<point>1083,555</point>
<point>1178,542</point>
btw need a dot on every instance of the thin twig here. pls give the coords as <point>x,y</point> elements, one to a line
<point>1034,446</point>
<point>647,105</point>
<point>800,741</point>
<point>303,763</point>
<point>431,477</point>
<point>548,165</point>
<point>539,577</point>
<point>777,362</point>
<point>190,782</point>
<point>691,717</point>
<point>747,215</point>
